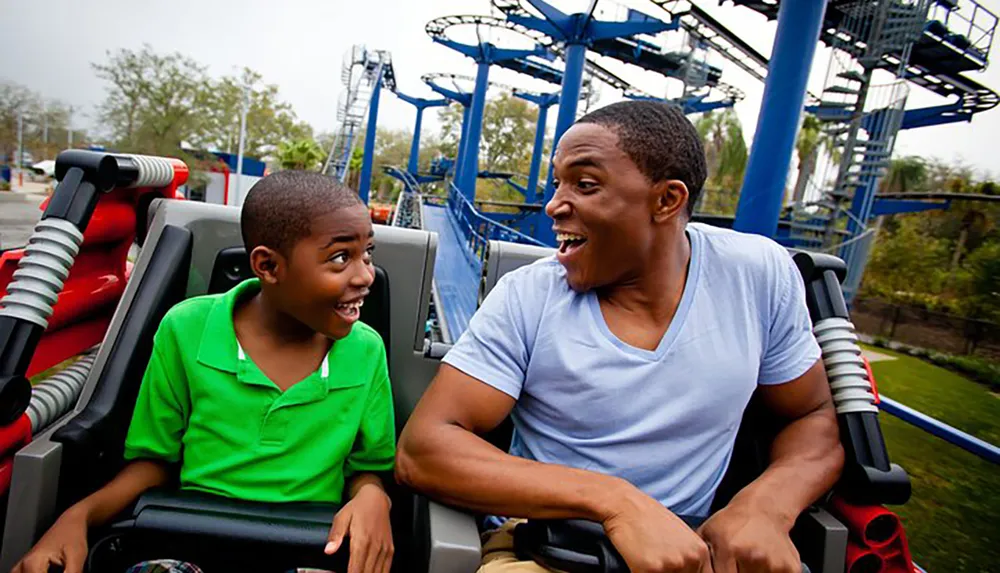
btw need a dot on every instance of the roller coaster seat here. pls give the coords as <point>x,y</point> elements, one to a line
<point>193,249</point>
<point>575,545</point>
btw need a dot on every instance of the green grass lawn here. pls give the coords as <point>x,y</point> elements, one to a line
<point>953,518</point>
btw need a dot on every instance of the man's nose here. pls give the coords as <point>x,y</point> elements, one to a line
<point>557,207</point>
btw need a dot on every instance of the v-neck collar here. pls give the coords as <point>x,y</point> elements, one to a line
<point>680,316</point>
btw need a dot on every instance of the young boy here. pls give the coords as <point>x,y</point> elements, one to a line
<point>270,392</point>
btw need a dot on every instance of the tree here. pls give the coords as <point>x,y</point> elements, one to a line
<point>302,154</point>
<point>905,174</point>
<point>45,123</point>
<point>269,120</point>
<point>153,101</point>
<point>726,157</point>
<point>812,139</point>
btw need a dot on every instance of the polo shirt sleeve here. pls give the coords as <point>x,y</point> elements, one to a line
<point>375,445</point>
<point>162,407</point>
<point>790,349</point>
<point>494,349</point>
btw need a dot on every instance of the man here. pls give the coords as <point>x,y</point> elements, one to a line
<point>626,362</point>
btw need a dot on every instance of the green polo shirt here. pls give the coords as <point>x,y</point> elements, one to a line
<point>204,403</point>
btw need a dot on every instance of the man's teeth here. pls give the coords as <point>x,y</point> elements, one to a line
<point>561,237</point>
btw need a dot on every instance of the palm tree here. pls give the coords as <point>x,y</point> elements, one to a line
<point>302,154</point>
<point>905,174</point>
<point>812,138</point>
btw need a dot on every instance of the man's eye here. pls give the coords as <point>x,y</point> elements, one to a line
<point>586,185</point>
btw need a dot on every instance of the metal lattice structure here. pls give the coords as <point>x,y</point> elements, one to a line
<point>362,72</point>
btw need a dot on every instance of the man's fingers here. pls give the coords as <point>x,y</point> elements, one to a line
<point>341,524</point>
<point>722,560</point>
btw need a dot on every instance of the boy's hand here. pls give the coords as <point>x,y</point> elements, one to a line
<point>365,520</point>
<point>64,544</point>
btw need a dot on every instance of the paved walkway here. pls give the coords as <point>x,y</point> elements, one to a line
<point>873,356</point>
<point>18,214</point>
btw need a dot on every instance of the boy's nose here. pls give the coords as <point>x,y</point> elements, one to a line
<point>364,277</point>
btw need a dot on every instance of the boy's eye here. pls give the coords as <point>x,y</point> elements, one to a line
<point>339,258</point>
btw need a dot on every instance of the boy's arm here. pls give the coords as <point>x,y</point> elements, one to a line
<point>365,517</point>
<point>153,442</point>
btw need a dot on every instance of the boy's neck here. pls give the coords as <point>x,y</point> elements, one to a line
<point>270,321</point>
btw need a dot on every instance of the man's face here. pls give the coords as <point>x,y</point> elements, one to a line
<point>601,209</point>
<point>328,273</point>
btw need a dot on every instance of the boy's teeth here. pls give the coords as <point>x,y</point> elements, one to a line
<point>568,237</point>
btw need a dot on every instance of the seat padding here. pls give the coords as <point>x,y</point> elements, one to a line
<point>93,439</point>
<point>222,532</point>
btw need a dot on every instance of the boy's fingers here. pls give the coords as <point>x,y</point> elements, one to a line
<point>360,550</point>
<point>372,557</point>
<point>341,524</point>
<point>73,561</point>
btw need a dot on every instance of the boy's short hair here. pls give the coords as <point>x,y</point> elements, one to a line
<point>659,139</point>
<point>278,209</point>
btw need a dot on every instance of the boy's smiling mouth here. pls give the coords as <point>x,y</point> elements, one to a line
<point>350,311</point>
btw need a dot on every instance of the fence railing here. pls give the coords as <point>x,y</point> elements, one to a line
<point>478,230</point>
<point>915,326</point>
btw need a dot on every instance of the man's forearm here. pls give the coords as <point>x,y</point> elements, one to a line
<point>460,468</point>
<point>806,460</point>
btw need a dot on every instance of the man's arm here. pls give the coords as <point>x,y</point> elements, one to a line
<point>441,454</point>
<point>806,456</point>
<point>751,533</point>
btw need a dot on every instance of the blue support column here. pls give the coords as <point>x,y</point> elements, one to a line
<point>531,192</point>
<point>460,156</point>
<point>470,167</point>
<point>568,100</point>
<point>795,43</point>
<point>411,166</point>
<point>366,166</point>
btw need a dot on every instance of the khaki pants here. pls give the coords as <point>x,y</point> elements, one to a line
<point>499,556</point>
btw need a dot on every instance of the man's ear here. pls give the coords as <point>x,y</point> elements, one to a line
<point>670,198</point>
<point>267,263</point>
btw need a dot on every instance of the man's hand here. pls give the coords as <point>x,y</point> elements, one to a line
<point>653,540</point>
<point>64,544</point>
<point>365,520</point>
<point>745,540</point>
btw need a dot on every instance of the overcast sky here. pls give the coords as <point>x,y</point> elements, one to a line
<point>48,46</point>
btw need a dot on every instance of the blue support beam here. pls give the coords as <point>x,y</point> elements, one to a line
<point>462,141</point>
<point>470,160</point>
<point>577,31</point>
<point>784,95</point>
<point>364,186</point>
<point>967,442</point>
<point>421,104</point>
<point>896,206</point>
<point>544,102</point>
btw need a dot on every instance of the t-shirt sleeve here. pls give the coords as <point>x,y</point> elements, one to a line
<point>162,407</point>
<point>375,444</point>
<point>493,349</point>
<point>790,348</point>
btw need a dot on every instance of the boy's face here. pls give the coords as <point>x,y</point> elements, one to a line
<point>326,275</point>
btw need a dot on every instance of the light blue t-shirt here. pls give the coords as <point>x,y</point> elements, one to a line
<point>665,420</point>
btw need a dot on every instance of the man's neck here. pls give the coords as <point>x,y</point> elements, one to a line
<point>655,292</point>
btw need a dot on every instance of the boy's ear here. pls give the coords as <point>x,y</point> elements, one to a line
<point>267,263</point>
<point>670,199</point>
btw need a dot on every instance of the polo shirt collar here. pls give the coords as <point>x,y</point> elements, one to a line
<point>219,348</point>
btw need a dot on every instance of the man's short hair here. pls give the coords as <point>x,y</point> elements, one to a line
<point>279,209</point>
<point>659,139</point>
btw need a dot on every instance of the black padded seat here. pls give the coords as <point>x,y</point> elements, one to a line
<point>219,534</point>
<point>93,440</point>
<point>232,266</point>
